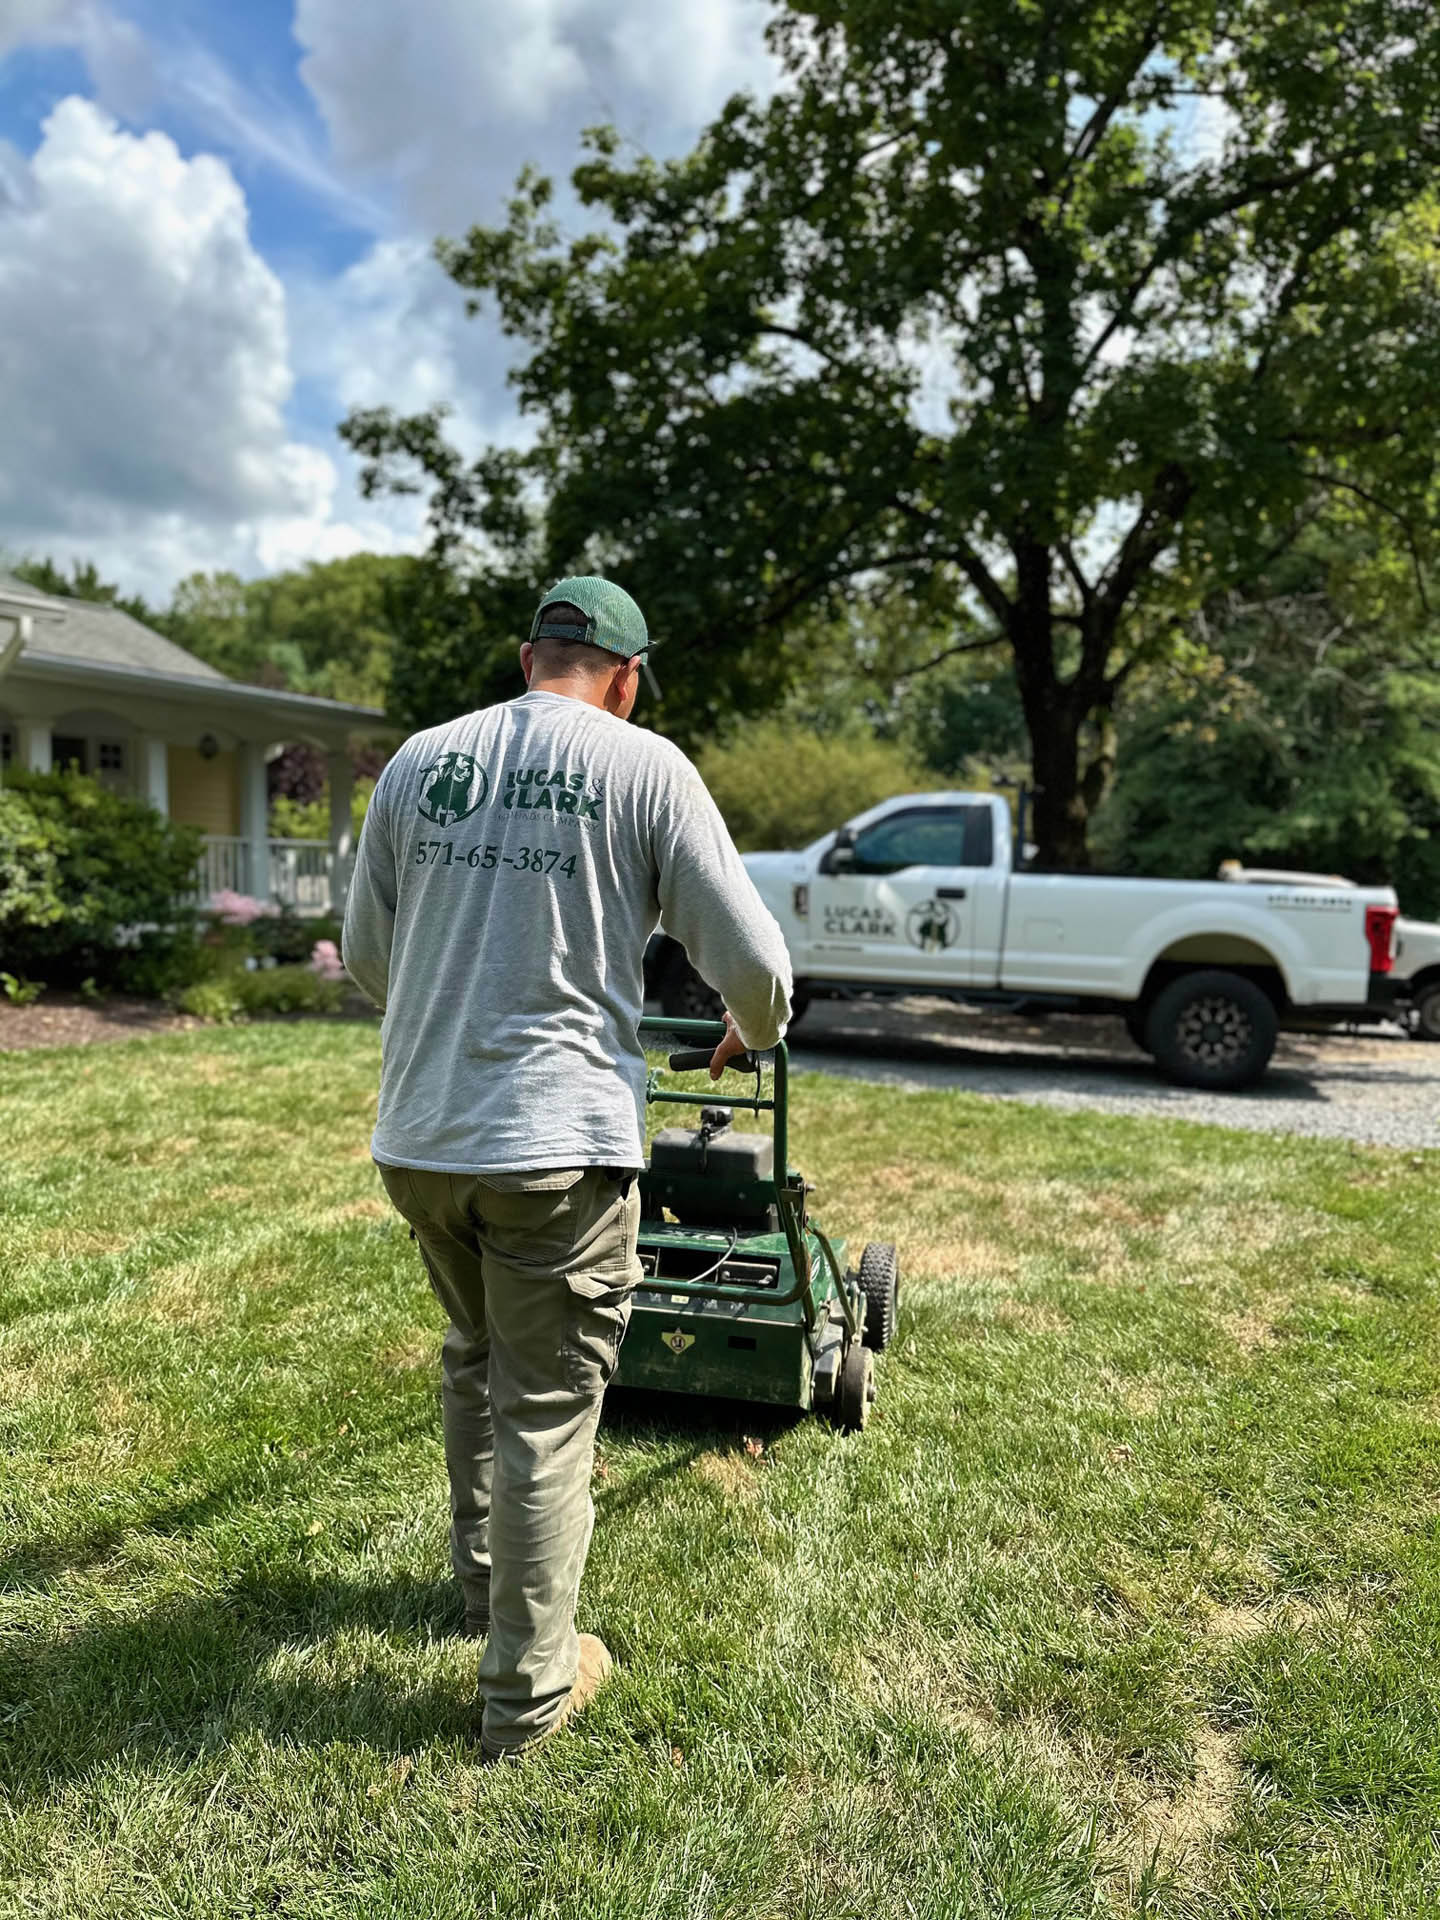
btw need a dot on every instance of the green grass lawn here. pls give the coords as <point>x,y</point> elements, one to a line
<point>1127,1602</point>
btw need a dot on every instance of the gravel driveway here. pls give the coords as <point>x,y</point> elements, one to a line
<point>1376,1086</point>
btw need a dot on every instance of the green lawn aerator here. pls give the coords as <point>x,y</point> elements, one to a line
<point>745,1297</point>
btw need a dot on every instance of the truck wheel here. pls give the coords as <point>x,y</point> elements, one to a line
<point>685,996</point>
<point>1212,1029</point>
<point>880,1282</point>
<point>1137,1025</point>
<point>1426,1023</point>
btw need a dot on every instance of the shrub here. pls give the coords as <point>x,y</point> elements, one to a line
<point>29,893</point>
<point>20,993</point>
<point>271,990</point>
<point>156,960</point>
<point>781,785</point>
<point>79,866</point>
<point>285,937</point>
<point>287,990</point>
<point>325,960</point>
<point>212,1000</point>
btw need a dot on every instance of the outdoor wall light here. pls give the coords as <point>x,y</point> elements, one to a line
<point>209,746</point>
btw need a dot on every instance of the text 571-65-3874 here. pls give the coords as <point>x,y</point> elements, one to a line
<point>542,860</point>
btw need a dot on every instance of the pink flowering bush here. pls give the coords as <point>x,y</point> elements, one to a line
<point>325,960</point>
<point>233,909</point>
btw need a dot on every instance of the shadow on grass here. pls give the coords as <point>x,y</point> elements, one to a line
<point>190,1676</point>
<point>193,1674</point>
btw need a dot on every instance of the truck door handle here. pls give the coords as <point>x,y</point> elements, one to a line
<point>951,893</point>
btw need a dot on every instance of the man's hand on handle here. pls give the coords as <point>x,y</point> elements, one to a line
<point>728,1048</point>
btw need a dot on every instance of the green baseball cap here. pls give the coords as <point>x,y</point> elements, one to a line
<point>612,619</point>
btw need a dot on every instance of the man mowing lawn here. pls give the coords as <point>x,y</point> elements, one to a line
<point>513,865</point>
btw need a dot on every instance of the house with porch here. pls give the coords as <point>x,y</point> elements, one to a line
<point>85,684</point>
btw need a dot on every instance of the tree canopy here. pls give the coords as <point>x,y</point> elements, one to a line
<point>1059,316</point>
<point>327,628</point>
<point>83,582</point>
<point>1297,728</point>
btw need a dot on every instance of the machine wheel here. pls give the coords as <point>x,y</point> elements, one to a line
<point>1425,1014</point>
<point>880,1280</point>
<point>1212,1029</point>
<point>685,996</point>
<point>855,1389</point>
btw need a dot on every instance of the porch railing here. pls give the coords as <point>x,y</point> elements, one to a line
<point>224,866</point>
<point>302,872</point>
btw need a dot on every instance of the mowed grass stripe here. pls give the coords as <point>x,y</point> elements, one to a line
<point>1125,1603</point>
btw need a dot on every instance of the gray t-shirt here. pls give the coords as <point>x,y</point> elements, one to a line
<point>513,865</point>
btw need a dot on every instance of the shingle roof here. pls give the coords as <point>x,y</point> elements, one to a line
<point>104,636</point>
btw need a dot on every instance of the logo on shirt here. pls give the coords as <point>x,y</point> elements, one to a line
<point>931,926</point>
<point>553,790</point>
<point>452,788</point>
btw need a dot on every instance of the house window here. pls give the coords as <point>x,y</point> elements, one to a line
<point>101,755</point>
<point>7,746</point>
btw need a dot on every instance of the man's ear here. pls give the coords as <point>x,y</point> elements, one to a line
<point>527,660</point>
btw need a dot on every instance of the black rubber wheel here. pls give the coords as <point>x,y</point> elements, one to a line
<point>855,1388</point>
<point>799,1007</point>
<point>1137,1023</point>
<point>880,1280</point>
<point>1212,1029</point>
<point>1425,1013</point>
<point>685,996</point>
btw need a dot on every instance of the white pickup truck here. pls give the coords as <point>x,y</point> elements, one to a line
<point>919,895</point>
<point>1416,969</point>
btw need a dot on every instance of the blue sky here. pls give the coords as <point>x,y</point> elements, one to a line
<point>215,222</point>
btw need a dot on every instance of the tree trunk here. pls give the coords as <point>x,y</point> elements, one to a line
<point>1059,817</point>
<point>1055,711</point>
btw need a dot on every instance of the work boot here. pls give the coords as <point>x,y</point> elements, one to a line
<point>594,1670</point>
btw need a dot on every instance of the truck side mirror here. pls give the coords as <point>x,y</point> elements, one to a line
<point>840,856</point>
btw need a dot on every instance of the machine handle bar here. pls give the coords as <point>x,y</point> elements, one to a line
<point>694,1058</point>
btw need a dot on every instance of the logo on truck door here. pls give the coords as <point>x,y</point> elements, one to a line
<point>931,926</point>
<point>859,923</point>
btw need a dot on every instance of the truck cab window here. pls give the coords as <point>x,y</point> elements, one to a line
<point>926,837</point>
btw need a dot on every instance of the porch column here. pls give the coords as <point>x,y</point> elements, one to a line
<point>36,752</point>
<point>154,773</point>
<point>255,818</point>
<point>342,838</point>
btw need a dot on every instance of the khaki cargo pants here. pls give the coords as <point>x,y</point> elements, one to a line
<point>536,1272</point>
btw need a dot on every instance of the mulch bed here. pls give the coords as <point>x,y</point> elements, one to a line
<point>64,1020</point>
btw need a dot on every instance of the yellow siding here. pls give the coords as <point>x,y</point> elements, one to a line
<point>203,793</point>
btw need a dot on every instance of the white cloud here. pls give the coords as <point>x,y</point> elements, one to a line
<point>144,367</point>
<point>392,331</point>
<point>114,49</point>
<point>444,100</point>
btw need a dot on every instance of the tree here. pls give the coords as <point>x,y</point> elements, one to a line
<point>1304,731</point>
<point>83,582</point>
<point>828,778</point>
<point>1156,350</point>
<point>324,629</point>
